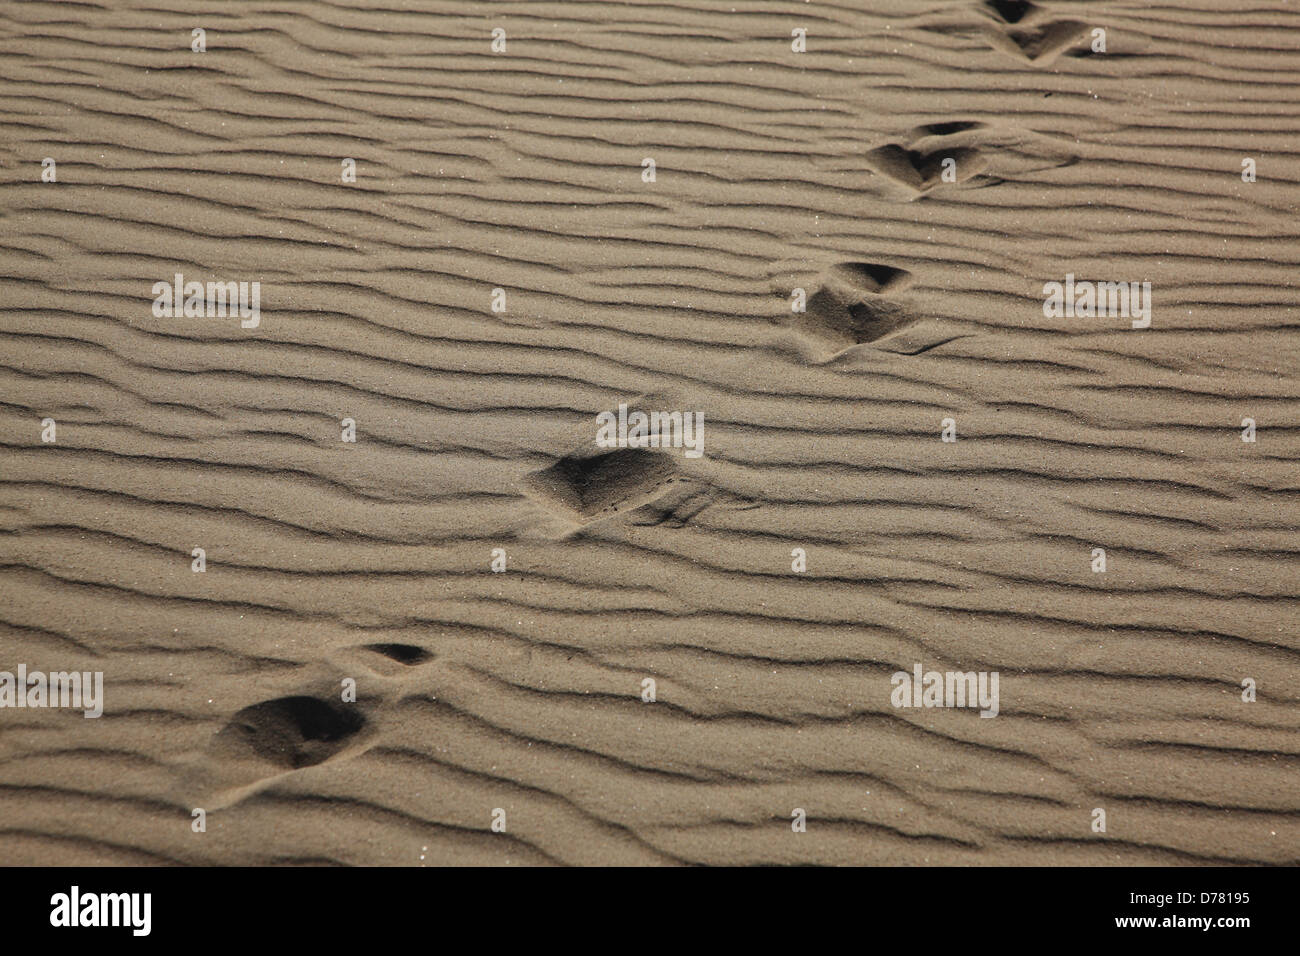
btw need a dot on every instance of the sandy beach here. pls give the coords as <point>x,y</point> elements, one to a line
<point>335,335</point>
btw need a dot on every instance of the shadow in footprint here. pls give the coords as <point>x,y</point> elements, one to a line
<point>407,654</point>
<point>1013,11</point>
<point>289,732</point>
<point>948,128</point>
<point>866,278</point>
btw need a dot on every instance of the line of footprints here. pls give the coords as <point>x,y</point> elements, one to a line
<point>848,304</point>
<point>290,733</point>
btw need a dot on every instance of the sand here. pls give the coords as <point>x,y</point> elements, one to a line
<point>501,716</point>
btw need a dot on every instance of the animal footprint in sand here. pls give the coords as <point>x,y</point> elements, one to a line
<point>264,741</point>
<point>921,170</point>
<point>935,154</point>
<point>849,304</point>
<point>1022,30</point>
<point>649,487</point>
<point>604,484</point>
<point>290,732</point>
